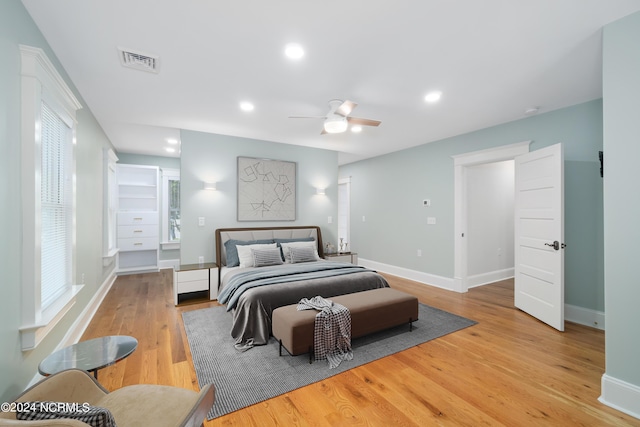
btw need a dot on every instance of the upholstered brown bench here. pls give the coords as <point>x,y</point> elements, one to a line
<point>371,311</point>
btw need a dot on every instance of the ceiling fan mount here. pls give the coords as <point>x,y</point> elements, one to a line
<point>338,118</point>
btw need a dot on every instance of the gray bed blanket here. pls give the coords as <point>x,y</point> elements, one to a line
<point>254,305</point>
<point>251,278</point>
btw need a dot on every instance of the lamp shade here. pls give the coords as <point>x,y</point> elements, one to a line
<point>335,124</point>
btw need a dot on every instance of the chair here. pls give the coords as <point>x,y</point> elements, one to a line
<point>134,405</point>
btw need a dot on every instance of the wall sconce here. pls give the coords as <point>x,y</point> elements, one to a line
<point>209,185</point>
<point>320,191</point>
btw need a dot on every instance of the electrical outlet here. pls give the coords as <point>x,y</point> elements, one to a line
<point>330,220</point>
<point>200,221</point>
<point>363,218</point>
<point>431,220</point>
<point>419,252</point>
<point>200,260</point>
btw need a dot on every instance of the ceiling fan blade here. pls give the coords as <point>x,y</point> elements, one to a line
<point>324,132</point>
<point>363,122</point>
<point>346,108</point>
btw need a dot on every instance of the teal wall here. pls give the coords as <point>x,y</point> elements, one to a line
<point>209,157</point>
<point>621,91</point>
<point>17,368</point>
<point>388,191</point>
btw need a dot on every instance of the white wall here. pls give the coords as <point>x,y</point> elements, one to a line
<point>490,198</point>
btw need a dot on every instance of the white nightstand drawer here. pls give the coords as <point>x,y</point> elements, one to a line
<point>138,244</point>
<point>134,218</point>
<point>136,231</point>
<point>192,275</point>
<point>193,286</point>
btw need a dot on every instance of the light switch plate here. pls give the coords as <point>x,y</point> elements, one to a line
<point>200,221</point>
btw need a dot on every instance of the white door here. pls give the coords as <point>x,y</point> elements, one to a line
<point>539,235</point>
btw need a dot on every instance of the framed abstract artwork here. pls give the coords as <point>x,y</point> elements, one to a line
<point>266,190</point>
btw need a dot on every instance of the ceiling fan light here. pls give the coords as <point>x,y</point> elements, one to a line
<point>335,124</point>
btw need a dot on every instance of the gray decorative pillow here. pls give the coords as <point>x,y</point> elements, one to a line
<point>265,257</point>
<point>232,251</point>
<point>295,239</point>
<point>302,254</point>
<point>93,415</point>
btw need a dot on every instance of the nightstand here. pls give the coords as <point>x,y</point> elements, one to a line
<point>189,278</point>
<point>351,257</point>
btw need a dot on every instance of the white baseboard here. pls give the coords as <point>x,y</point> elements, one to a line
<point>490,277</point>
<point>584,316</point>
<point>620,395</point>
<point>78,327</point>
<point>418,276</point>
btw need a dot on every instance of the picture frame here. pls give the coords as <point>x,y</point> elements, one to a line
<point>266,189</point>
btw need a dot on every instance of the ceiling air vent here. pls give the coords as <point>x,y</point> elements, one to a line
<point>138,60</point>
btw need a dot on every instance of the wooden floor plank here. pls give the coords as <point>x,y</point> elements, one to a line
<point>509,369</point>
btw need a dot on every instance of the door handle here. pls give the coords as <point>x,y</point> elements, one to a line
<point>556,245</point>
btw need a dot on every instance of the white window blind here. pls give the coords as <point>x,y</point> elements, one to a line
<point>56,206</point>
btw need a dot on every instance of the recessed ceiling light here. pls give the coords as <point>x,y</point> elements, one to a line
<point>532,110</point>
<point>170,150</point>
<point>172,141</point>
<point>433,96</point>
<point>294,51</point>
<point>356,129</point>
<point>246,106</point>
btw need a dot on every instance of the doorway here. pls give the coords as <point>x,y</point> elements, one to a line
<point>462,163</point>
<point>344,214</point>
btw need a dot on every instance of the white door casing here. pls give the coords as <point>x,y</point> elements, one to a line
<point>460,164</point>
<point>539,235</point>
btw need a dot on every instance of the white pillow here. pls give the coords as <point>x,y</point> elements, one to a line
<point>286,249</point>
<point>245,255</point>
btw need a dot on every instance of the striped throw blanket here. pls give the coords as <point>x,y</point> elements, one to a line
<point>332,331</point>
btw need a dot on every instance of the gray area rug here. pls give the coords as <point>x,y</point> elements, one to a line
<point>242,379</point>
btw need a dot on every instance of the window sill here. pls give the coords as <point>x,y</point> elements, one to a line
<point>32,335</point>
<point>109,257</point>
<point>167,246</point>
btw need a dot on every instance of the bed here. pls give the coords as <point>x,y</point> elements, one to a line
<point>251,292</point>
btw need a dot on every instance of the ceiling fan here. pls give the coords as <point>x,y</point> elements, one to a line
<point>337,119</point>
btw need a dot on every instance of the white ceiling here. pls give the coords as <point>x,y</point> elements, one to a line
<point>492,59</point>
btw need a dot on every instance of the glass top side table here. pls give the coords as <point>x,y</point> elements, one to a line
<point>89,355</point>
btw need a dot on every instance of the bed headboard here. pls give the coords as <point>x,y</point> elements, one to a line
<point>259,233</point>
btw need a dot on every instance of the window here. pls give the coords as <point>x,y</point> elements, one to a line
<point>170,209</point>
<point>48,197</point>
<point>56,206</point>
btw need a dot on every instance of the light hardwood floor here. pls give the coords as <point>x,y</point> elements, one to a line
<point>508,370</point>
